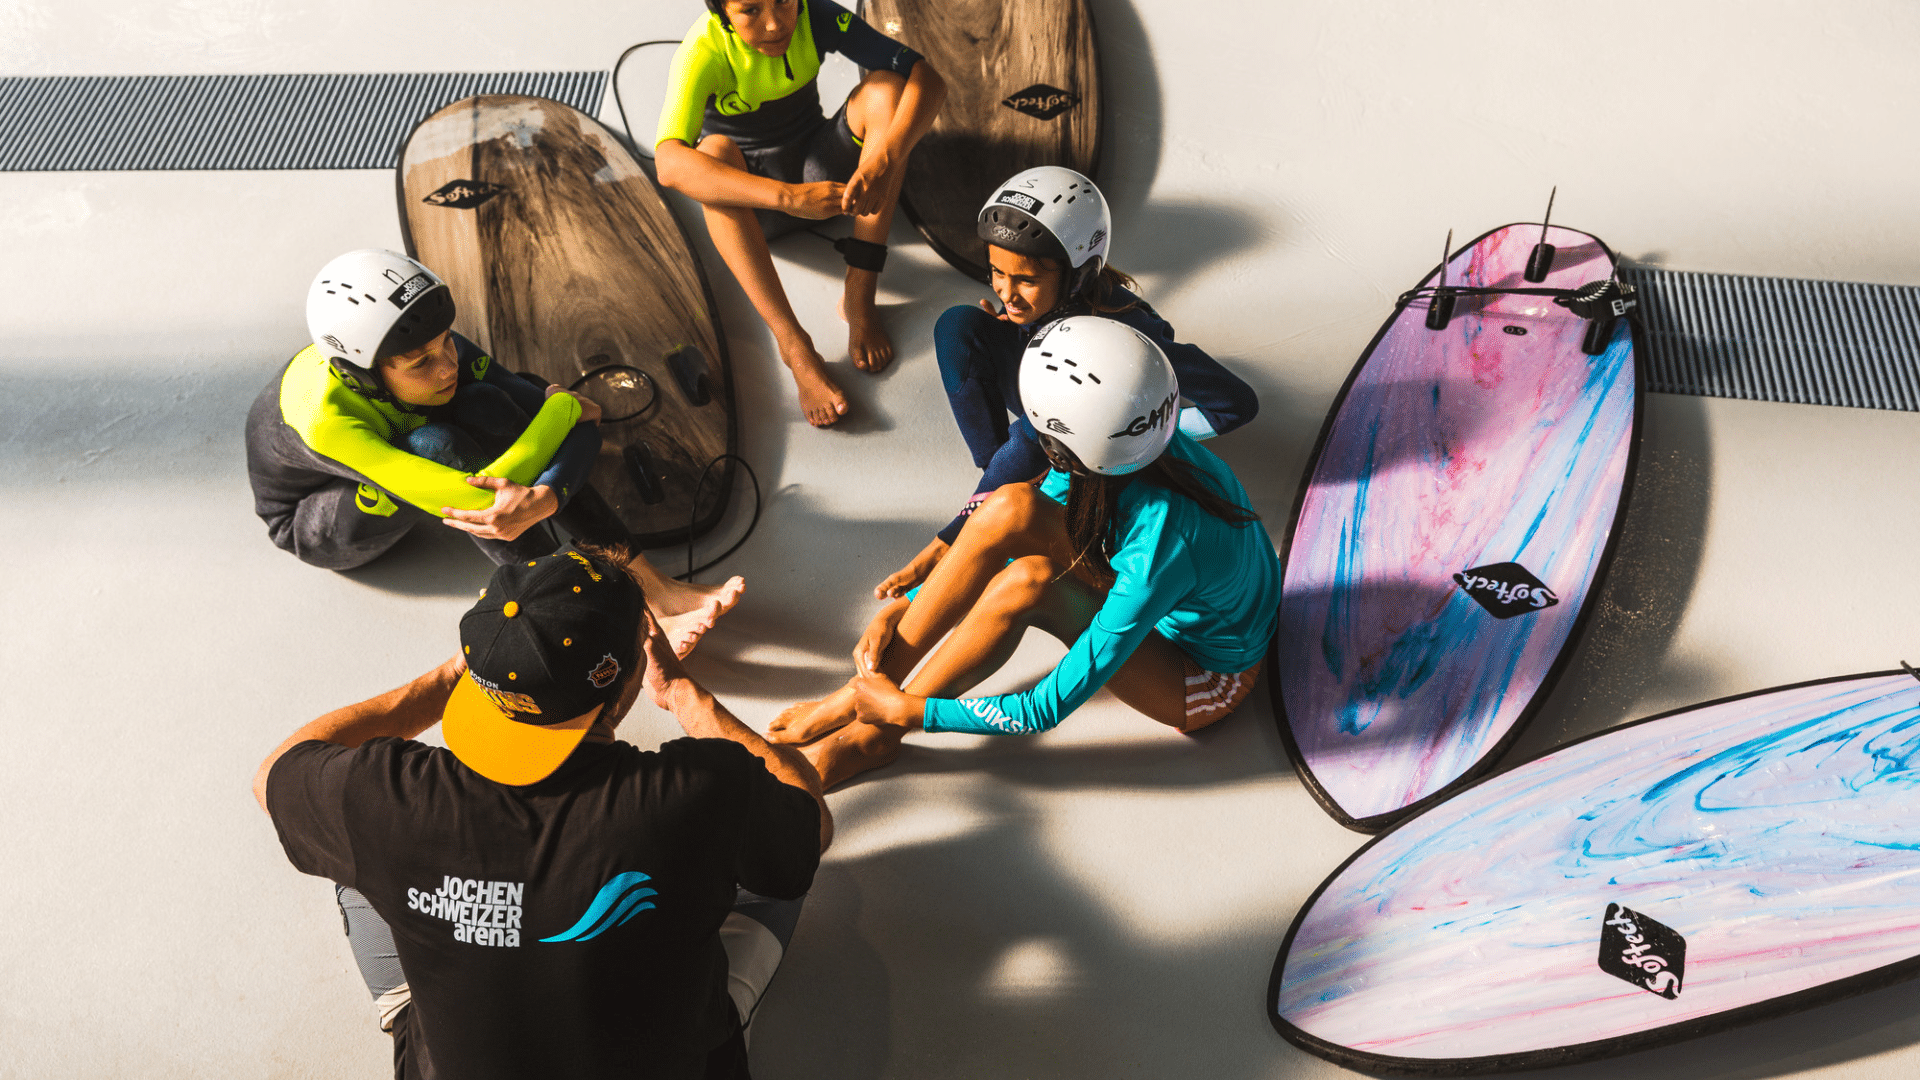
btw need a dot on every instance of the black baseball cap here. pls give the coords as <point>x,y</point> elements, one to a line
<point>545,647</point>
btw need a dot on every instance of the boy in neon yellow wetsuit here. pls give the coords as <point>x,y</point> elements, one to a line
<point>745,77</point>
<point>390,419</point>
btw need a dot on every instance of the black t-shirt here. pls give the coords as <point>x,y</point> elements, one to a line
<point>564,929</point>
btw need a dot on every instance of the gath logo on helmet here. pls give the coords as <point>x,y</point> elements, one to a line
<point>1055,425</point>
<point>1143,424</point>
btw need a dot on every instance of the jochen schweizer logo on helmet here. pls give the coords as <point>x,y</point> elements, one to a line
<point>409,289</point>
<point>1020,199</point>
<point>1143,424</point>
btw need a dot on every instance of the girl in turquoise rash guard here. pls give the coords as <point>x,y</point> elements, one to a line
<point>1137,550</point>
<point>742,133</point>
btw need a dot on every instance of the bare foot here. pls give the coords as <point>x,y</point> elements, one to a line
<point>867,341</point>
<point>810,721</point>
<point>686,612</point>
<point>853,750</point>
<point>820,400</point>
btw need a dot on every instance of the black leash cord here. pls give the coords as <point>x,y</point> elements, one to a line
<point>694,516</point>
<point>621,106</point>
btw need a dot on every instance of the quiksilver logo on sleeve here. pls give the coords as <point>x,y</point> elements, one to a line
<point>1505,589</point>
<point>1643,952</point>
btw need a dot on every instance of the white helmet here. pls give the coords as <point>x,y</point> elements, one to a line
<point>1050,213</point>
<point>370,304</point>
<point>1102,390</point>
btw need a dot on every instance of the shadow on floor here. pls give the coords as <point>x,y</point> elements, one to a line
<point>1622,659</point>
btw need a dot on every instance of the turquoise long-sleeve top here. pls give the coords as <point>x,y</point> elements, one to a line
<point>1211,587</point>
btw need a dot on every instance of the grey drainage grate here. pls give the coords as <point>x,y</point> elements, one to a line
<point>65,123</point>
<point>1781,339</point>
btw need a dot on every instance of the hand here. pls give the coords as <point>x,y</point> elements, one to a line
<point>589,408</point>
<point>996,312</point>
<point>818,200</point>
<point>877,700</point>
<point>664,671</point>
<point>873,644</point>
<point>903,580</point>
<point>867,187</point>
<point>515,509</point>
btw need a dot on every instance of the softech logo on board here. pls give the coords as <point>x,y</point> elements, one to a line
<point>463,194</point>
<point>1640,950</point>
<point>1042,102</point>
<point>1505,589</point>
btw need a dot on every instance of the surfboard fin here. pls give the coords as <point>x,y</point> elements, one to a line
<point>1599,336</point>
<point>689,369</point>
<point>1440,305</point>
<point>1540,260</point>
<point>644,471</point>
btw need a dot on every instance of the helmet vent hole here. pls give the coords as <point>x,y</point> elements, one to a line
<point>1050,367</point>
<point>1046,354</point>
<point>1057,198</point>
<point>1070,199</point>
<point>1094,377</point>
<point>370,299</point>
<point>352,301</point>
<point>1076,379</point>
<point>1070,363</point>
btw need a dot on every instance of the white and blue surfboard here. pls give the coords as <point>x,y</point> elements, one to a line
<point>1669,878</point>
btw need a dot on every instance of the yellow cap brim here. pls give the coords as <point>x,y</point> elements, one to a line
<point>504,750</point>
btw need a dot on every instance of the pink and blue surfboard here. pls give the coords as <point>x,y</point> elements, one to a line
<point>1673,877</point>
<point>1452,531</point>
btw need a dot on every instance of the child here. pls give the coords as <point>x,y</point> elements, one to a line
<point>746,76</point>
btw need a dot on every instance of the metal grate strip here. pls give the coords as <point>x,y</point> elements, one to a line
<point>60,123</point>
<point>1781,339</point>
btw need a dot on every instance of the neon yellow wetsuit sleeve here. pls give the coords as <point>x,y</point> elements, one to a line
<point>699,72</point>
<point>338,423</point>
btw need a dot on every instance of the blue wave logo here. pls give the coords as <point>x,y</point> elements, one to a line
<point>618,900</point>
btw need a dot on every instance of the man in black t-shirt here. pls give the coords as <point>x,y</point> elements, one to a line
<point>555,897</point>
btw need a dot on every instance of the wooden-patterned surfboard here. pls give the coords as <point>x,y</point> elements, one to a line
<point>1454,525</point>
<point>1023,89</point>
<point>566,263</point>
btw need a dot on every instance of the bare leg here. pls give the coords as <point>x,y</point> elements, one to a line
<point>685,611</point>
<point>1028,592</point>
<point>1014,522</point>
<point>870,113</point>
<point>988,603</point>
<point>743,246</point>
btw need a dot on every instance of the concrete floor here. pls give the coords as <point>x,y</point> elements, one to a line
<point>1100,902</point>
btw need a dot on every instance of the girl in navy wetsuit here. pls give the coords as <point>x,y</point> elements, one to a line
<point>1048,233</point>
<point>1138,551</point>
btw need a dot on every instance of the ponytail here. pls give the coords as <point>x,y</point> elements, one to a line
<point>1093,509</point>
